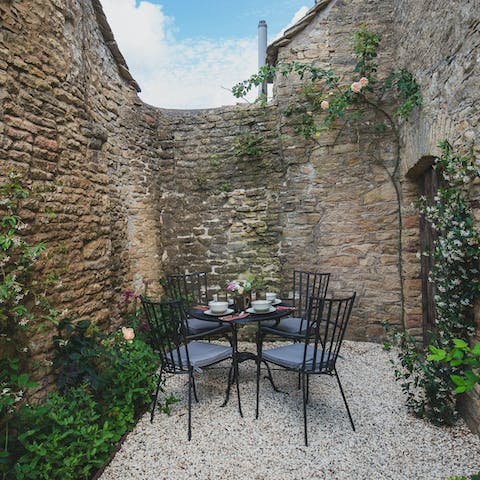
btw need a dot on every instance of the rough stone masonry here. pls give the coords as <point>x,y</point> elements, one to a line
<point>140,191</point>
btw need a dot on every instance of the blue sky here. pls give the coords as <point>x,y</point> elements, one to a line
<point>187,53</point>
<point>227,19</point>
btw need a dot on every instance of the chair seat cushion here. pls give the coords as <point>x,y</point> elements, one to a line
<point>291,356</point>
<point>196,326</point>
<point>291,325</point>
<point>201,354</point>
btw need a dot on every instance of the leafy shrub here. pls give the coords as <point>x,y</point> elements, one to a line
<point>430,386</point>
<point>22,304</point>
<point>72,434</point>
<point>460,355</point>
<point>473,477</point>
<point>64,438</point>
<point>78,355</point>
<point>426,386</point>
<point>128,381</point>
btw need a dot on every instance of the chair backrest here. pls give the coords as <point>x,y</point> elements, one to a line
<point>306,285</point>
<point>327,321</point>
<point>166,321</point>
<point>191,288</point>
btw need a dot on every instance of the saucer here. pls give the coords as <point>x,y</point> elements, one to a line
<point>251,310</point>
<point>277,301</point>
<point>228,311</point>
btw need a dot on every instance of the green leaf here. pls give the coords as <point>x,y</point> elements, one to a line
<point>23,380</point>
<point>460,343</point>
<point>457,380</point>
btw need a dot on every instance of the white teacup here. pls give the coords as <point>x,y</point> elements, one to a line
<point>271,297</point>
<point>261,306</point>
<point>218,307</point>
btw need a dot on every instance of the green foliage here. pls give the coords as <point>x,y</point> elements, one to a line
<point>365,48</point>
<point>472,477</point>
<point>226,186</point>
<point>461,355</point>
<point>79,355</point>
<point>249,145</point>
<point>73,433</point>
<point>22,303</point>
<point>65,438</point>
<point>408,90</point>
<point>103,380</point>
<point>427,388</point>
<point>215,160</point>
<point>431,385</point>
<point>18,288</point>
<point>457,249</point>
<point>266,73</point>
<point>13,383</point>
<point>334,98</point>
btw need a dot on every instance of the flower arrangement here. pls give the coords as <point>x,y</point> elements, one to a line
<point>239,287</point>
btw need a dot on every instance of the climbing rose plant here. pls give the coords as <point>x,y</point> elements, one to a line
<point>328,101</point>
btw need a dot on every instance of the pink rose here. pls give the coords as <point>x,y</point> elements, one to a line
<point>324,105</point>
<point>128,334</point>
<point>356,87</point>
<point>363,81</point>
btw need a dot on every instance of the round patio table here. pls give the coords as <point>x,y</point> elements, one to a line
<point>242,356</point>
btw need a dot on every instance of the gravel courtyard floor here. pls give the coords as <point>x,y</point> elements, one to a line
<point>388,443</point>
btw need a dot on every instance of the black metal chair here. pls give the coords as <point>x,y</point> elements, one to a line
<point>317,354</point>
<point>192,289</point>
<point>178,355</point>
<point>305,285</point>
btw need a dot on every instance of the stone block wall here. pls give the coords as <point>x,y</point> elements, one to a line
<point>140,192</point>
<point>439,42</point>
<point>74,126</point>
<point>340,208</point>
<point>220,207</point>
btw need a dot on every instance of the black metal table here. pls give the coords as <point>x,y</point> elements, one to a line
<point>240,357</point>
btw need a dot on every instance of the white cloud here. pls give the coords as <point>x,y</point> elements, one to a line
<point>179,74</point>
<point>199,74</point>
<point>141,32</point>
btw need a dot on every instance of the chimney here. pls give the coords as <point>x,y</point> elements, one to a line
<point>262,52</point>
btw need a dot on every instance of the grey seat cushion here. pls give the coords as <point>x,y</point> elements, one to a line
<point>196,326</point>
<point>201,354</point>
<point>291,356</point>
<point>288,325</point>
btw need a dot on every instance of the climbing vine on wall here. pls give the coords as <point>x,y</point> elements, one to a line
<point>249,145</point>
<point>23,303</point>
<point>328,101</point>
<point>456,253</point>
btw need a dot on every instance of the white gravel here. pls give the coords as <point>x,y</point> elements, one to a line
<point>388,444</point>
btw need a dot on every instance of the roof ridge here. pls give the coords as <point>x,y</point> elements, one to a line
<point>289,33</point>
<point>112,45</point>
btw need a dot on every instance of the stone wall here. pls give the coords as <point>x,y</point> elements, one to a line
<point>139,192</point>
<point>73,125</point>
<point>339,204</point>
<point>220,207</point>
<point>447,66</point>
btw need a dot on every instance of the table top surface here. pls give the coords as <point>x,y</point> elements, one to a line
<point>252,317</point>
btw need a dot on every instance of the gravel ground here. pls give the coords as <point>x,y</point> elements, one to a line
<point>388,444</point>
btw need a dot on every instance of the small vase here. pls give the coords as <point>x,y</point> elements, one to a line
<point>242,303</point>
